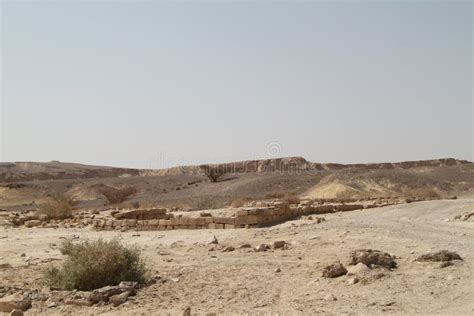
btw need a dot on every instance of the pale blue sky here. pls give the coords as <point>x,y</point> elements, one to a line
<point>153,84</point>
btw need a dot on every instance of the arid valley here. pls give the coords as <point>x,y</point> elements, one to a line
<point>257,241</point>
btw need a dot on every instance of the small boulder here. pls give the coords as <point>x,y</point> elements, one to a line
<point>214,241</point>
<point>353,281</point>
<point>16,312</point>
<point>334,270</point>
<point>358,269</point>
<point>187,311</point>
<point>443,255</point>
<point>262,247</point>
<point>14,301</point>
<point>33,223</point>
<point>228,249</point>
<point>372,257</point>
<point>103,294</point>
<point>119,299</point>
<point>330,297</point>
<point>445,264</point>
<point>279,244</point>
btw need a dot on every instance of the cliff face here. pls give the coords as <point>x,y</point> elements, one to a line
<point>290,164</point>
<point>28,171</point>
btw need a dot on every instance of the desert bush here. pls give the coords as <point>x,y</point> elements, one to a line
<point>59,207</point>
<point>429,193</point>
<point>94,264</point>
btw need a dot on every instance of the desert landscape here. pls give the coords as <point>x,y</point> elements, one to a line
<point>236,158</point>
<point>278,236</point>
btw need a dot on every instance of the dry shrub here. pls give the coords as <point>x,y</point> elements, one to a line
<point>59,207</point>
<point>239,202</point>
<point>429,193</point>
<point>94,264</point>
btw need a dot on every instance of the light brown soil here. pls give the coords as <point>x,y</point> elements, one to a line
<point>246,282</point>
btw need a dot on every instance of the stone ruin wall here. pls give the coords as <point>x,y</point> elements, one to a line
<point>250,217</point>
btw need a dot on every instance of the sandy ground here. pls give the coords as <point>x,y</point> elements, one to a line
<point>245,282</point>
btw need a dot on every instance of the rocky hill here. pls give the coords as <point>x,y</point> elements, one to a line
<point>55,170</point>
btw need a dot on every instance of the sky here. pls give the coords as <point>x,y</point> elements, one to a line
<point>156,84</point>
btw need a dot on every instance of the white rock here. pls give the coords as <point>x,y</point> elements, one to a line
<point>358,269</point>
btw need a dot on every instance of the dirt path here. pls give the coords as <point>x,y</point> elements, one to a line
<point>246,282</point>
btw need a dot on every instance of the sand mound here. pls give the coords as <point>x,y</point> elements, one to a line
<point>331,188</point>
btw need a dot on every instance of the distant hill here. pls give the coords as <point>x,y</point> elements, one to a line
<point>28,171</point>
<point>55,170</point>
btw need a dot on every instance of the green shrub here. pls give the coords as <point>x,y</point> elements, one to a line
<point>94,264</point>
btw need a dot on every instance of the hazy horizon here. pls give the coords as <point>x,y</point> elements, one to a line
<point>156,84</point>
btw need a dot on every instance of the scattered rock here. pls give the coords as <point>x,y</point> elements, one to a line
<point>187,311</point>
<point>330,297</point>
<point>334,270</point>
<point>353,281</point>
<point>16,312</point>
<point>5,266</point>
<point>371,257</point>
<point>443,255</point>
<point>32,223</point>
<point>228,249</point>
<point>119,299</point>
<point>277,270</point>
<point>279,244</point>
<point>445,264</point>
<point>79,302</point>
<point>358,269</point>
<point>214,241</point>
<point>245,246</point>
<point>14,301</point>
<point>262,247</point>
<point>466,217</point>
<point>103,294</point>
<point>129,286</point>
